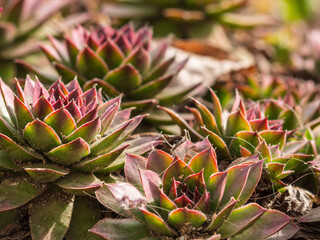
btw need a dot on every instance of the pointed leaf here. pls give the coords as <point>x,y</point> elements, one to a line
<point>236,180</point>
<point>269,223</point>
<point>216,186</point>
<point>15,151</point>
<point>41,136</point>
<point>42,108</point>
<point>274,137</point>
<point>150,89</point>
<point>248,140</point>
<point>87,131</point>
<point>111,54</point>
<point>140,59</point>
<point>120,229</point>
<point>23,115</point>
<point>102,161</point>
<point>237,122</point>
<point>177,218</point>
<point>217,109</point>
<point>131,168</point>
<point>178,170</point>
<point>206,160</point>
<point>67,73</point>
<point>157,224</point>
<point>208,119</point>
<point>45,172</point>
<point>89,64</point>
<point>222,216</point>
<point>69,153</point>
<point>151,185</point>
<point>221,147</point>
<point>158,161</point>
<point>79,181</point>
<point>240,218</point>
<point>105,144</point>
<point>61,121</point>
<point>125,78</point>
<point>251,183</point>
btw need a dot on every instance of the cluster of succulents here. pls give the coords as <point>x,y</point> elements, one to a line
<point>75,163</point>
<point>54,145</point>
<point>23,23</point>
<point>119,61</point>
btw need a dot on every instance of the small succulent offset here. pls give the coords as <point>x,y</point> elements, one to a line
<point>119,61</point>
<point>20,23</point>
<point>187,197</point>
<point>55,144</point>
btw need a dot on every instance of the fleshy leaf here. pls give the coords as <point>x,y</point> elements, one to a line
<point>111,54</point>
<point>87,131</point>
<point>274,137</point>
<point>131,168</point>
<point>206,160</point>
<point>100,162</point>
<point>42,108</point>
<point>61,121</point>
<point>120,229</point>
<point>236,180</point>
<point>124,79</point>
<point>90,64</point>
<point>237,122</point>
<point>85,214</point>
<point>15,151</point>
<point>150,183</point>
<point>45,172</point>
<point>208,119</point>
<point>50,217</point>
<point>41,136</point>
<point>79,182</point>
<point>178,170</point>
<point>177,218</point>
<point>240,218</point>
<point>222,216</point>
<point>157,224</point>
<point>140,59</point>
<point>69,153</point>
<point>23,115</point>
<point>17,192</point>
<point>312,216</point>
<point>269,223</point>
<point>221,147</point>
<point>158,161</point>
<point>216,186</point>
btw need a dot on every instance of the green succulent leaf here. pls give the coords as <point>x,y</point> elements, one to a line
<point>61,121</point>
<point>271,222</point>
<point>45,172</point>
<point>125,78</point>
<point>240,219</point>
<point>158,161</point>
<point>23,114</point>
<point>120,229</point>
<point>41,136</point>
<point>157,224</point>
<point>90,64</point>
<point>16,151</point>
<point>215,186</point>
<point>87,131</point>
<point>17,192</point>
<point>50,217</point>
<point>180,216</point>
<point>206,161</point>
<point>85,214</point>
<point>274,137</point>
<point>237,122</point>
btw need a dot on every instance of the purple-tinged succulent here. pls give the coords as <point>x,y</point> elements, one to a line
<point>23,24</point>
<point>188,197</point>
<point>118,60</point>
<point>55,146</point>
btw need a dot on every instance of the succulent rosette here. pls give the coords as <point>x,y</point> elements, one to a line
<point>247,132</point>
<point>55,146</point>
<point>119,61</point>
<point>187,196</point>
<point>23,23</point>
